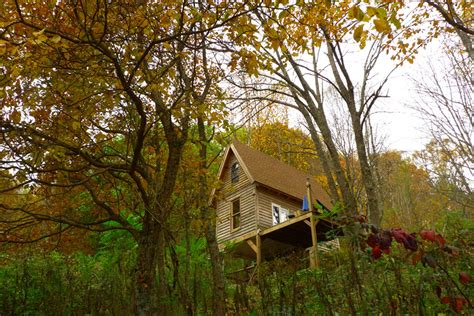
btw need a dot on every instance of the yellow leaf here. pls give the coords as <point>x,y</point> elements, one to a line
<point>76,125</point>
<point>15,117</point>
<point>55,39</point>
<point>358,32</point>
<point>357,13</point>
<point>233,63</point>
<point>371,11</point>
<point>381,26</point>
<point>381,12</point>
<point>38,33</point>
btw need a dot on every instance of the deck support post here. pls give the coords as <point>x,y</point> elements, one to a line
<point>258,240</point>
<point>313,252</point>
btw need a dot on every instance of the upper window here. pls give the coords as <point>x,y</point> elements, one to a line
<point>235,221</point>
<point>280,214</point>
<point>234,172</point>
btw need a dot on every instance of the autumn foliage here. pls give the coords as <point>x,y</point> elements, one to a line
<point>430,248</point>
<point>112,118</point>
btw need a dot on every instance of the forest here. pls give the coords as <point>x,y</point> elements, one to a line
<point>115,116</point>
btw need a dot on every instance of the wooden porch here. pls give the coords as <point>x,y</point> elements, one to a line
<point>291,235</point>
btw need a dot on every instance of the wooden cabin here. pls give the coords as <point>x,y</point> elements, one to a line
<point>259,203</point>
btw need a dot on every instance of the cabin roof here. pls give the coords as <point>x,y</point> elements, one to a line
<point>274,174</point>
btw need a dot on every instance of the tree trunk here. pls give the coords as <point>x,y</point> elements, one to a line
<point>218,281</point>
<point>346,90</point>
<point>347,194</point>
<point>367,176</point>
<point>151,293</point>
<point>314,111</point>
<point>145,270</point>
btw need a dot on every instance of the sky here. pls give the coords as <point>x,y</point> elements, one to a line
<point>394,118</point>
<point>404,128</point>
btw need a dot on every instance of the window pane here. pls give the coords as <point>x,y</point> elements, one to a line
<point>235,214</point>
<point>283,215</point>
<point>235,207</point>
<point>276,214</point>
<point>234,172</point>
<point>236,221</point>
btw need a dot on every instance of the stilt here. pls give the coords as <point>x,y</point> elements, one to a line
<point>313,253</point>
<point>259,248</point>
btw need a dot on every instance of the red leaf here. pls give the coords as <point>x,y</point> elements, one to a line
<point>445,300</point>
<point>458,304</point>
<point>428,234</point>
<point>372,241</point>
<point>408,240</point>
<point>385,239</point>
<point>432,236</point>
<point>441,241</point>
<point>416,258</point>
<point>455,303</point>
<point>376,252</point>
<point>464,277</point>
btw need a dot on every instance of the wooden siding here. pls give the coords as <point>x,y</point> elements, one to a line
<point>227,186</point>
<point>266,198</point>
<point>228,192</point>
<point>247,214</point>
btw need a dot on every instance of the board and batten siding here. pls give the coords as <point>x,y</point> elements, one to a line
<point>265,200</point>
<point>244,190</point>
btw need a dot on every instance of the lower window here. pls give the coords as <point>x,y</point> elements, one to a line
<point>235,221</point>
<point>280,214</point>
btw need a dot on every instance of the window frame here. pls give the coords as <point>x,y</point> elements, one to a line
<point>234,215</point>
<point>281,211</point>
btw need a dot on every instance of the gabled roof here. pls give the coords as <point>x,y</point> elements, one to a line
<point>275,174</point>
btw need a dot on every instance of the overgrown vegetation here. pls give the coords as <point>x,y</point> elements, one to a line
<point>52,283</point>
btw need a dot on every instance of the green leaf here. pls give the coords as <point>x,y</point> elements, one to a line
<point>395,21</point>
<point>381,13</point>
<point>283,14</point>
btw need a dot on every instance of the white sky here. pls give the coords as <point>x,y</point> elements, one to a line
<point>393,118</point>
<point>404,129</point>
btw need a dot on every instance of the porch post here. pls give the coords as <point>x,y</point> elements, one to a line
<point>258,240</point>
<point>313,252</point>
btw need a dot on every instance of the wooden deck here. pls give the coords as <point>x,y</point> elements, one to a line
<point>291,235</point>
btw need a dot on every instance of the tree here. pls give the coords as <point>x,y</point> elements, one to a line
<point>287,144</point>
<point>409,199</point>
<point>98,98</point>
<point>458,15</point>
<point>446,106</point>
<point>289,52</point>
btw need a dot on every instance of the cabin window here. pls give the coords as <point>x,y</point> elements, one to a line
<point>235,222</point>
<point>280,214</point>
<point>234,172</point>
